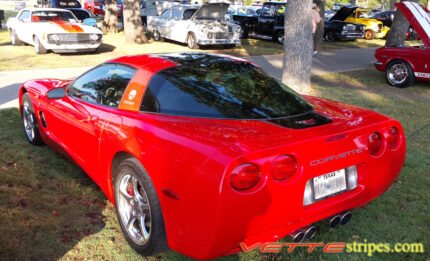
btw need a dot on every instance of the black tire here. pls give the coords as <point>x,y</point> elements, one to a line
<point>243,32</point>
<point>156,35</point>
<point>29,119</point>
<point>229,46</point>
<point>399,74</point>
<point>369,34</point>
<point>192,41</point>
<point>38,46</point>
<point>130,170</point>
<point>14,39</point>
<point>330,36</point>
<point>280,37</point>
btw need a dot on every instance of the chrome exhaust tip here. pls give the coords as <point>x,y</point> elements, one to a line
<point>334,221</point>
<point>309,232</point>
<point>297,236</point>
<point>345,218</point>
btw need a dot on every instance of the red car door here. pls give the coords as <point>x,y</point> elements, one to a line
<point>76,121</point>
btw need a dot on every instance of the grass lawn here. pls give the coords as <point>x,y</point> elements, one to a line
<point>49,209</point>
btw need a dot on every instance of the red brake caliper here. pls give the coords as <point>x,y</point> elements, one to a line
<point>130,189</point>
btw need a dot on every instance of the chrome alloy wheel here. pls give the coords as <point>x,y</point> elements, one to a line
<point>398,73</point>
<point>134,209</point>
<point>28,119</point>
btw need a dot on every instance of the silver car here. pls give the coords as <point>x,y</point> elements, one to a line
<point>195,25</point>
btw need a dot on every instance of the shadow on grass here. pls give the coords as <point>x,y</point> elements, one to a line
<point>47,204</point>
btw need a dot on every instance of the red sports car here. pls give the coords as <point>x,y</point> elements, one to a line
<point>200,153</point>
<point>402,64</point>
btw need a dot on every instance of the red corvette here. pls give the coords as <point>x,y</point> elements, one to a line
<point>402,64</point>
<point>200,153</point>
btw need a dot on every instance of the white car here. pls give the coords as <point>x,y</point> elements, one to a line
<point>53,29</point>
<point>196,26</point>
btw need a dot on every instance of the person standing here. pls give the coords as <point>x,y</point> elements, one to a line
<point>316,19</point>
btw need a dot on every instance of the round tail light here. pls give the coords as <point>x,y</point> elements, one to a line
<point>393,137</point>
<point>245,176</point>
<point>375,143</point>
<point>283,167</point>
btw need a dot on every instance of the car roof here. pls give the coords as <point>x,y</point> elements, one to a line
<point>45,9</point>
<point>157,62</point>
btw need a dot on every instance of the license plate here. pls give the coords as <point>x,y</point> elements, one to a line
<point>329,184</point>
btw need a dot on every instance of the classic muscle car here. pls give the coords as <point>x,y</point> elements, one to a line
<point>53,29</point>
<point>201,153</point>
<point>194,25</point>
<point>374,27</point>
<point>402,64</point>
<point>337,29</point>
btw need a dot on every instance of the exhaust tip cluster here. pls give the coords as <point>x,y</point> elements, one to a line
<point>307,233</point>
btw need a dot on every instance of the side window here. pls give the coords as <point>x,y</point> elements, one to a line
<point>166,13</point>
<point>189,13</point>
<point>176,14</point>
<point>103,85</point>
<point>25,16</point>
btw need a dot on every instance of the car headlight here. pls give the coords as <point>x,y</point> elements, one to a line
<point>94,37</point>
<point>344,27</point>
<point>238,29</point>
<point>54,37</point>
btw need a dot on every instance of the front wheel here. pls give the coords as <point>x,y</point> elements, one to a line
<point>38,46</point>
<point>14,38</point>
<point>369,35</point>
<point>156,35</point>
<point>31,126</point>
<point>399,74</point>
<point>280,37</point>
<point>330,36</point>
<point>138,209</point>
<point>192,41</point>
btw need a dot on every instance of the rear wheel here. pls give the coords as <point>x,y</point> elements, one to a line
<point>14,38</point>
<point>369,35</point>
<point>31,126</point>
<point>192,41</point>
<point>38,46</point>
<point>399,74</point>
<point>138,208</point>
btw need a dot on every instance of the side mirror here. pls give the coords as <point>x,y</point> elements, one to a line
<point>56,93</point>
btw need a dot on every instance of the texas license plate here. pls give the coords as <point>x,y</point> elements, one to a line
<point>329,184</point>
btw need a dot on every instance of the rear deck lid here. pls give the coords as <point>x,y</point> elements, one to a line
<point>419,18</point>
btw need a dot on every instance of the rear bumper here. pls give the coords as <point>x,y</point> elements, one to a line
<point>275,209</point>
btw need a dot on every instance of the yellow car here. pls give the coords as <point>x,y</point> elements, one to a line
<point>374,27</point>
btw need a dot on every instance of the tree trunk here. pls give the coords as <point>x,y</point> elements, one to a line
<point>397,34</point>
<point>319,34</point>
<point>353,2</point>
<point>110,21</point>
<point>392,6</point>
<point>296,69</point>
<point>133,28</point>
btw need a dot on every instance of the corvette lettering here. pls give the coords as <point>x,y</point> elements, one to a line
<point>336,157</point>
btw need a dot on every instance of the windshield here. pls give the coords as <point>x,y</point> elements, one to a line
<point>53,16</point>
<point>219,87</point>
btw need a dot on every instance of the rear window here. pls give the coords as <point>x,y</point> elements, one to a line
<point>221,88</point>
